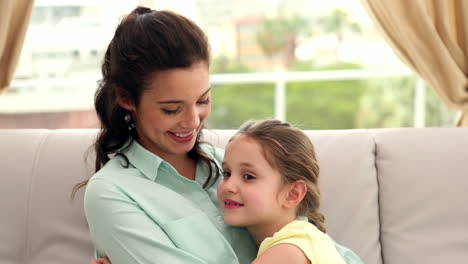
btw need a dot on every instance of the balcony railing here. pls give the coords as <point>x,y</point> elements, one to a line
<point>70,94</point>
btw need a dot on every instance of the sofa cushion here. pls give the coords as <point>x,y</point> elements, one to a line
<point>18,157</point>
<point>40,223</point>
<point>423,178</point>
<point>349,189</point>
<point>58,232</point>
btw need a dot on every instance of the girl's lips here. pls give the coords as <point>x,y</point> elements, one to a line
<point>231,204</point>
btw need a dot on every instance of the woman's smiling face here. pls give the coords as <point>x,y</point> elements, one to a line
<point>172,110</point>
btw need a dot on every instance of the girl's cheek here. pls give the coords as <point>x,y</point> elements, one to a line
<point>219,190</point>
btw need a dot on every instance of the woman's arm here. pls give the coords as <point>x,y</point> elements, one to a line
<point>282,253</point>
<point>121,230</point>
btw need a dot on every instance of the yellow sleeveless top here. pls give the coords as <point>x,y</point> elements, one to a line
<point>318,247</point>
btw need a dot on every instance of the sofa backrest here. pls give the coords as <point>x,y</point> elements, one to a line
<point>423,194</point>
<point>391,195</point>
<point>39,222</point>
<point>348,183</point>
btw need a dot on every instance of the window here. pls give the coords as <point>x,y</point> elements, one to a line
<point>363,83</point>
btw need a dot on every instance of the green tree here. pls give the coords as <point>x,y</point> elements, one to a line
<point>271,37</point>
<point>278,36</point>
<point>338,22</point>
<point>296,27</point>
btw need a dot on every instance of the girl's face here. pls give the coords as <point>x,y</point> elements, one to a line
<point>252,192</point>
<point>172,111</point>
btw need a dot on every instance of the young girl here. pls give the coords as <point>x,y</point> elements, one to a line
<point>270,182</point>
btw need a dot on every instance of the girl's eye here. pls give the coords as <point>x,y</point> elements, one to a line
<point>226,174</point>
<point>170,112</point>
<point>248,177</point>
<point>207,101</point>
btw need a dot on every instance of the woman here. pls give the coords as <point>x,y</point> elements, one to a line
<point>154,200</point>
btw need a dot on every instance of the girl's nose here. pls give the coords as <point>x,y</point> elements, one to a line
<point>229,185</point>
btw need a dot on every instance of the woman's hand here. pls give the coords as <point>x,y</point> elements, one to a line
<point>103,260</point>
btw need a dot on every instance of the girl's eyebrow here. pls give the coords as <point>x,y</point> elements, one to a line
<point>245,164</point>
<point>181,101</point>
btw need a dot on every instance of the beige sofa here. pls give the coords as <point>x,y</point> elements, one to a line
<point>394,196</point>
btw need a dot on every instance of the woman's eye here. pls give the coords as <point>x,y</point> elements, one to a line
<point>248,177</point>
<point>226,174</point>
<point>170,112</point>
<point>207,101</point>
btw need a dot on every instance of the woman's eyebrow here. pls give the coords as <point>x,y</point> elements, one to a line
<point>207,91</point>
<point>170,102</point>
<point>180,101</point>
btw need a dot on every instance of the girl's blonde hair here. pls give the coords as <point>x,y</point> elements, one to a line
<point>290,151</point>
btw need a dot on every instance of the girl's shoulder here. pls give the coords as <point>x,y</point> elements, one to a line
<point>282,253</point>
<point>315,244</point>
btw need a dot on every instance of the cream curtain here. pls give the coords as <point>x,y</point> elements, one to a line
<point>14,21</point>
<point>431,36</point>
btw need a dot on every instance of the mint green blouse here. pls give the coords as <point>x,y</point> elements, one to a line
<point>149,213</point>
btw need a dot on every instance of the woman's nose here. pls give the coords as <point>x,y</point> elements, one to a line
<point>191,118</point>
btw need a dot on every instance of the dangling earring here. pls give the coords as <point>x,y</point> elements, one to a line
<point>128,120</point>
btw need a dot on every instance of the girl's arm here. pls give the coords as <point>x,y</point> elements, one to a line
<point>104,260</point>
<point>282,253</point>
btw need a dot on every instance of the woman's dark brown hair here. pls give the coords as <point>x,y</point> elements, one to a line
<point>289,150</point>
<point>145,42</point>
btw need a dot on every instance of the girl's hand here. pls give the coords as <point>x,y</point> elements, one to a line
<point>103,260</point>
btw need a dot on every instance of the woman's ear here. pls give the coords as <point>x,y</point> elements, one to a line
<point>124,99</point>
<point>297,192</point>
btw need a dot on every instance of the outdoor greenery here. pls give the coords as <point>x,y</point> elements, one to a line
<point>372,103</point>
<point>387,102</point>
<point>310,105</point>
<point>325,104</point>
<point>437,114</point>
<point>234,104</point>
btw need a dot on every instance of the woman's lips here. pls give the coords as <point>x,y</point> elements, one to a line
<point>182,137</point>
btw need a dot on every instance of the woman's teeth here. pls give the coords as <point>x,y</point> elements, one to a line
<point>182,135</point>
